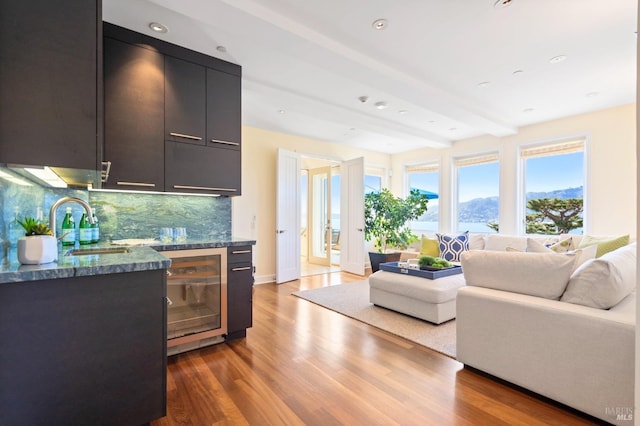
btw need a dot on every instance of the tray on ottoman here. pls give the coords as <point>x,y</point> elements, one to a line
<point>432,275</point>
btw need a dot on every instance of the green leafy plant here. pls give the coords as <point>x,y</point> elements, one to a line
<point>386,217</point>
<point>34,226</point>
<point>434,262</point>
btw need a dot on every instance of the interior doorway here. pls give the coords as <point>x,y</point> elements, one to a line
<point>320,216</point>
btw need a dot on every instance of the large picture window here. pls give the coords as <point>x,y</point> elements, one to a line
<point>425,178</point>
<point>553,177</point>
<point>478,190</point>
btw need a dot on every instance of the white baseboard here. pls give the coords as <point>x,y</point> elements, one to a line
<point>264,279</point>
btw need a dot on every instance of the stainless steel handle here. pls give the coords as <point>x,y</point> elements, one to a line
<point>241,251</point>
<point>225,142</point>
<point>169,302</point>
<point>204,188</point>
<point>148,185</point>
<point>244,268</point>
<point>106,168</point>
<point>180,135</point>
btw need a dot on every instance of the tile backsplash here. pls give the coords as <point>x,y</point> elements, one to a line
<point>121,214</point>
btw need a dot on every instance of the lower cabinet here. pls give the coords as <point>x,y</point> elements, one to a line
<point>84,350</point>
<point>201,169</point>
<point>239,291</point>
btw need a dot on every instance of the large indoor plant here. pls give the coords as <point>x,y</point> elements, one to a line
<point>38,245</point>
<point>385,221</point>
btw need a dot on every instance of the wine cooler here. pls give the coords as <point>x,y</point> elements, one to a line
<point>197,298</point>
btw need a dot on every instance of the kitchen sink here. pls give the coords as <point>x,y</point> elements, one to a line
<point>91,251</point>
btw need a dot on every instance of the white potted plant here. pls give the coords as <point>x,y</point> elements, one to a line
<point>38,246</point>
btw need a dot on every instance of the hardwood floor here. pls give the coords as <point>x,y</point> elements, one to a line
<point>304,364</point>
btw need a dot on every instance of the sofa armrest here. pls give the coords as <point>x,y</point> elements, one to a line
<point>580,356</point>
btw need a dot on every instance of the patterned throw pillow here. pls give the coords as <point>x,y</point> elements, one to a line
<point>563,246</point>
<point>452,246</point>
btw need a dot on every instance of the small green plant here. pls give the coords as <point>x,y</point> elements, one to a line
<point>34,226</point>
<point>433,262</point>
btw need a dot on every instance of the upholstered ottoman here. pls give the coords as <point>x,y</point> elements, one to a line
<point>431,300</point>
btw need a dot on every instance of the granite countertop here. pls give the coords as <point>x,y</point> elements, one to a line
<point>138,258</point>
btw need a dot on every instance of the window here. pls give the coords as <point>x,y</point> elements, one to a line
<point>478,190</point>
<point>426,178</point>
<point>373,179</point>
<point>553,177</point>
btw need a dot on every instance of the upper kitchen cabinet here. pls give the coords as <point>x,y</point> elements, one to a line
<point>50,75</point>
<point>184,101</point>
<point>134,116</point>
<point>223,109</point>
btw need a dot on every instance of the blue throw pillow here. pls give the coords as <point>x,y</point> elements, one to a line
<point>452,246</point>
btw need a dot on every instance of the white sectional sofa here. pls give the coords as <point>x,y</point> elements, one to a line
<point>569,335</point>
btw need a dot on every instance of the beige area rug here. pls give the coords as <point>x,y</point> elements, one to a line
<point>352,300</point>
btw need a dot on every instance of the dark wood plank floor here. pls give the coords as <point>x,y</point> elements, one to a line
<point>304,364</point>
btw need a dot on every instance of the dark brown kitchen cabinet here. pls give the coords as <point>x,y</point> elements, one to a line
<point>201,169</point>
<point>50,75</point>
<point>239,291</point>
<point>134,116</point>
<point>223,109</point>
<point>84,350</point>
<point>184,101</point>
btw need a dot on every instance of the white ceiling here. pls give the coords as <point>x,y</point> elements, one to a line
<point>306,62</point>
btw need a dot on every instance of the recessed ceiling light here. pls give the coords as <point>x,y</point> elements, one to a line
<point>159,28</point>
<point>221,49</point>
<point>281,111</point>
<point>403,112</point>
<point>484,83</point>
<point>502,3</point>
<point>431,122</point>
<point>380,24</point>
<point>453,129</point>
<point>518,72</point>
<point>363,99</point>
<point>380,105</point>
<point>592,94</point>
<point>528,110</point>
<point>557,59</point>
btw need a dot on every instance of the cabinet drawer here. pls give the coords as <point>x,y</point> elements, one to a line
<point>201,169</point>
<point>239,254</point>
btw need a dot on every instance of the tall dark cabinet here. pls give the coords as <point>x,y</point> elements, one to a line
<point>50,80</point>
<point>172,117</point>
<point>134,116</point>
<point>239,291</point>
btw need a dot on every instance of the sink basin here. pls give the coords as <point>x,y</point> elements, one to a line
<point>91,251</point>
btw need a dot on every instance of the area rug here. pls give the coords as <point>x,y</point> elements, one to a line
<point>352,300</point>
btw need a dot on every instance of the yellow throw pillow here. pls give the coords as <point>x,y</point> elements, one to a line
<point>605,244</point>
<point>429,247</point>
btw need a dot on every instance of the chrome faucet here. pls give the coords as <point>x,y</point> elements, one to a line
<point>54,208</point>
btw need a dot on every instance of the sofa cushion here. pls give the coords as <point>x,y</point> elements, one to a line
<point>499,242</point>
<point>587,253</point>
<point>563,245</point>
<point>605,281</point>
<point>452,246</point>
<point>536,274</point>
<point>605,244</point>
<point>429,247</point>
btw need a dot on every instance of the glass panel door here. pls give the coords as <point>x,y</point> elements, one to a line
<point>320,216</point>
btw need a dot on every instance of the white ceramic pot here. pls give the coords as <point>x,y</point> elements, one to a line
<point>37,249</point>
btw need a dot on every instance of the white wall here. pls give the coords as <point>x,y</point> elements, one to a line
<point>259,159</point>
<point>611,160</point>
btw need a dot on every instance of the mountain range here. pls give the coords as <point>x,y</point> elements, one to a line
<point>483,210</point>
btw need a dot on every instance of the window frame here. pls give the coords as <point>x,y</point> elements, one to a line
<point>531,147</point>
<point>429,166</point>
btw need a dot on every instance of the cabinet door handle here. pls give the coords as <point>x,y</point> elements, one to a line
<point>149,185</point>
<point>169,302</point>
<point>181,135</point>
<point>104,172</point>
<point>244,268</point>
<point>225,142</point>
<point>240,251</point>
<point>204,188</point>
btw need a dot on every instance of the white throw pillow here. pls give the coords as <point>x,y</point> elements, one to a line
<point>584,254</point>
<point>498,242</point>
<point>537,274</point>
<point>605,281</point>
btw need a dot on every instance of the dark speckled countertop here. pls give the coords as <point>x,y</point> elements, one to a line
<point>139,258</point>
